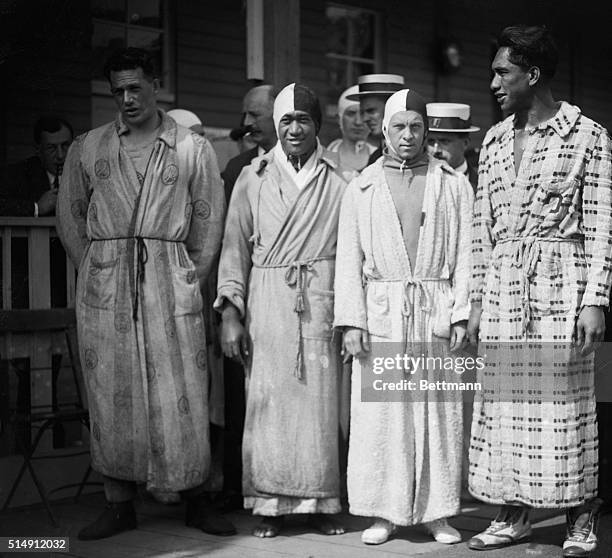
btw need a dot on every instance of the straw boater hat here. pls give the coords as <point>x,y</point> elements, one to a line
<point>377,84</point>
<point>449,117</point>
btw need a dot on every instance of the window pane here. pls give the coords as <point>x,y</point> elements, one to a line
<point>151,41</point>
<point>337,76</point>
<point>106,39</point>
<point>337,30</point>
<point>109,9</point>
<point>145,12</point>
<point>362,26</point>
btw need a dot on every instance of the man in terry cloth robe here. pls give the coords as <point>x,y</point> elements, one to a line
<point>140,213</point>
<point>277,270</point>
<point>542,247</point>
<point>402,279</point>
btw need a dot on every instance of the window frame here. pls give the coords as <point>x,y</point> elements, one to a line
<point>378,41</point>
<point>99,86</point>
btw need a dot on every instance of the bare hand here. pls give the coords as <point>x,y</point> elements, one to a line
<point>234,339</point>
<point>590,329</point>
<point>356,342</point>
<point>458,336</point>
<point>47,202</point>
<point>473,326</point>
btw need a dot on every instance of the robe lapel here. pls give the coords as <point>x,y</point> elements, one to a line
<point>431,205</point>
<point>392,226</point>
<point>299,218</point>
<point>287,188</point>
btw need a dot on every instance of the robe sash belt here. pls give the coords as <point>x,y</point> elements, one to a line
<point>142,257</point>
<point>413,288</point>
<point>295,278</point>
<point>524,254</point>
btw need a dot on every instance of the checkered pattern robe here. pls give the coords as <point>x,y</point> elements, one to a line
<point>542,250</point>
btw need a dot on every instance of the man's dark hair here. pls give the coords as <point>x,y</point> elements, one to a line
<point>530,46</point>
<point>130,58</point>
<point>50,124</point>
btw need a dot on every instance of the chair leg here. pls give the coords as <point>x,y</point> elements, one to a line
<point>27,464</point>
<point>82,484</point>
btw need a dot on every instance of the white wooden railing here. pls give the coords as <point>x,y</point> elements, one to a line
<point>38,231</point>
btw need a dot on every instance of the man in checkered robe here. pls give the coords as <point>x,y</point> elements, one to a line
<point>542,253</point>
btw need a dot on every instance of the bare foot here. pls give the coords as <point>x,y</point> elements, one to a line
<point>326,524</point>
<point>269,527</point>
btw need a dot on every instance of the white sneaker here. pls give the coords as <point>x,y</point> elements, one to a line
<point>509,527</point>
<point>379,532</point>
<point>581,537</point>
<point>443,532</point>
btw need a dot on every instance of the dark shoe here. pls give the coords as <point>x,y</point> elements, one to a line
<point>201,515</point>
<point>116,518</point>
<point>582,522</point>
<point>229,502</point>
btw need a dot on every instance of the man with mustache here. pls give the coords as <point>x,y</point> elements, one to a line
<point>257,109</point>
<point>449,136</point>
<point>541,247</point>
<point>276,273</point>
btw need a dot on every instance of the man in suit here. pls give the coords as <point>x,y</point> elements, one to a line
<point>374,90</point>
<point>29,188</point>
<point>258,106</point>
<point>257,110</point>
<point>449,136</point>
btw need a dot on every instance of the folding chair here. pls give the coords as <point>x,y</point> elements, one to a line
<point>45,417</point>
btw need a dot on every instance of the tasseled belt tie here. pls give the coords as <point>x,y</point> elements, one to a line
<point>295,278</point>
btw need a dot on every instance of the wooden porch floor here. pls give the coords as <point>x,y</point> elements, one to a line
<point>162,534</point>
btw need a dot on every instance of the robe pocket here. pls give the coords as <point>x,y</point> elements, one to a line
<point>556,198</point>
<point>320,317</point>
<point>187,295</point>
<point>549,293</point>
<point>101,284</point>
<point>442,314</point>
<point>377,302</point>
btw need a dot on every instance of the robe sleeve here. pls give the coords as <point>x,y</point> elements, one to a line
<point>235,263</point>
<point>597,221</point>
<point>73,203</point>
<point>208,199</point>
<point>349,304</point>
<point>462,271</point>
<point>482,225</point>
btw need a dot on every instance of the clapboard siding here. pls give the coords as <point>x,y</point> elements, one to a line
<point>208,61</point>
<point>211,60</point>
